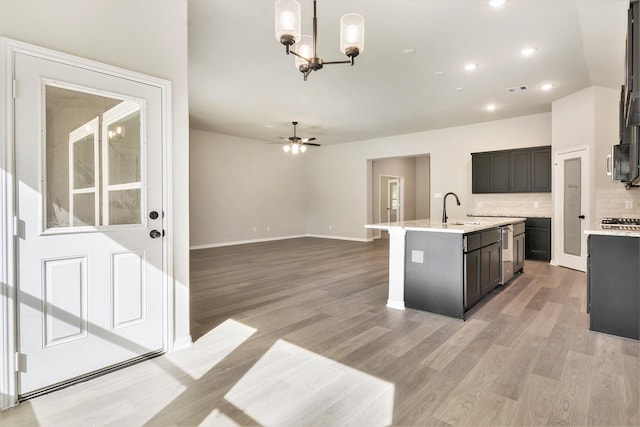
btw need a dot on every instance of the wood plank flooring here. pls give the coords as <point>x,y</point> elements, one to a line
<point>296,332</point>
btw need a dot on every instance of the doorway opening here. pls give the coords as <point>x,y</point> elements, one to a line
<point>400,190</point>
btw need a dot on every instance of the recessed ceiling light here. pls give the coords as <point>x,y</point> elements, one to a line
<point>438,73</point>
<point>496,3</point>
<point>546,86</point>
<point>490,107</point>
<point>409,52</point>
<point>470,66</point>
<point>528,51</point>
<point>459,89</point>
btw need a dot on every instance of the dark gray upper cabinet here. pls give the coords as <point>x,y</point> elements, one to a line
<point>526,170</point>
<point>541,170</point>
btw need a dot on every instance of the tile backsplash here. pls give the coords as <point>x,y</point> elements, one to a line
<point>512,204</point>
<point>617,203</point>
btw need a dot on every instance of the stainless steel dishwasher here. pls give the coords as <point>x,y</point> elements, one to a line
<point>507,253</point>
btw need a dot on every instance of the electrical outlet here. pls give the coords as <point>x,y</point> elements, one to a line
<point>417,256</point>
<point>438,195</point>
<point>255,229</point>
<point>479,204</point>
<point>330,227</point>
<point>268,228</point>
<point>628,204</point>
<point>536,205</point>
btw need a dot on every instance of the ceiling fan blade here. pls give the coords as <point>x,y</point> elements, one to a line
<point>281,137</point>
<point>307,139</point>
<point>313,144</point>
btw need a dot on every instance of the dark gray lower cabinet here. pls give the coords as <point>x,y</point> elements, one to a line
<point>447,273</point>
<point>538,243</point>
<point>613,280</point>
<point>472,278</point>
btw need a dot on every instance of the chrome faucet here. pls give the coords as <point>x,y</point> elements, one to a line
<point>444,205</point>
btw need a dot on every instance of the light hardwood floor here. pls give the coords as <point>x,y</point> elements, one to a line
<point>296,332</point>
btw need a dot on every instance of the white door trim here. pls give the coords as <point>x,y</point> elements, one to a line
<point>558,201</point>
<point>382,213</point>
<point>8,322</point>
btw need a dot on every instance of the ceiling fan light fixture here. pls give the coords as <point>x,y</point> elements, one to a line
<point>303,148</point>
<point>295,148</point>
<point>287,22</point>
<point>286,148</point>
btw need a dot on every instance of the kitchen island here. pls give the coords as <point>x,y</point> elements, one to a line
<point>445,268</point>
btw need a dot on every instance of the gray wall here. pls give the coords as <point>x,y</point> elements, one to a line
<point>336,180</point>
<point>245,190</point>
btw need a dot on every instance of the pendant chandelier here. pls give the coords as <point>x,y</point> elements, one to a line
<point>306,52</point>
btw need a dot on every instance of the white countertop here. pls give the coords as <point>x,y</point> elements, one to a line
<point>597,229</point>
<point>453,225</point>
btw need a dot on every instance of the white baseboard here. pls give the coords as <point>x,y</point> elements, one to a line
<point>244,242</point>
<point>323,236</point>
<point>271,239</point>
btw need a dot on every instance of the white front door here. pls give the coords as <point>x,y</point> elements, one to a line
<point>88,166</point>
<point>572,208</point>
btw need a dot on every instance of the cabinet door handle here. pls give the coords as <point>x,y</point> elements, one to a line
<point>581,216</point>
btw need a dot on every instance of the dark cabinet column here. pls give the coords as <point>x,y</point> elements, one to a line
<point>500,173</point>
<point>519,171</point>
<point>541,170</point>
<point>481,173</point>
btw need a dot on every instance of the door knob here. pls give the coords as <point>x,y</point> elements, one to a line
<point>581,216</point>
<point>155,234</point>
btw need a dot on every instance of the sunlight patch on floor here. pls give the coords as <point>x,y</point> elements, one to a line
<point>291,386</point>
<point>218,419</point>
<point>211,348</point>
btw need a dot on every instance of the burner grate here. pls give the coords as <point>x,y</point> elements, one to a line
<point>621,223</point>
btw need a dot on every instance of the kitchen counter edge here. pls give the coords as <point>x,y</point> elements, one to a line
<point>597,229</point>
<point>465,226</point>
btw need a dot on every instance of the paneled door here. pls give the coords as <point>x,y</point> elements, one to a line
<point>90,223</point>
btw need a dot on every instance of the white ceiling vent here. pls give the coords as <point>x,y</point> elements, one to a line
<point>517,89</point>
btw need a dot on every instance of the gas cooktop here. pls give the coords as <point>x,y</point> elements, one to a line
<point>621,223</point>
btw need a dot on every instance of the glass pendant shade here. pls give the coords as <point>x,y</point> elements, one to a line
<point>287,20</point>
<point>303,148</point>
<point>286,148</point>
<point>352,33</point>
<point>304,48</point>
<point>294,148</point>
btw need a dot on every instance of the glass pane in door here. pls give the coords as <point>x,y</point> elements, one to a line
<point>84,163</point>
<point>572,207</point>
<point>124,207</point>
<point>122,159</point>
<point>71,162</point>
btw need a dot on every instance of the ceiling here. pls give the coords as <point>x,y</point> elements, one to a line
<point>242,83</point>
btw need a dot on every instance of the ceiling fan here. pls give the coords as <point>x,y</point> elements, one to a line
<point>296,143</point>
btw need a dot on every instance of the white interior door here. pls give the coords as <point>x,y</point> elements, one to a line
<point>393,200</point>
<point>89,193</point>
<point>572,207</point>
